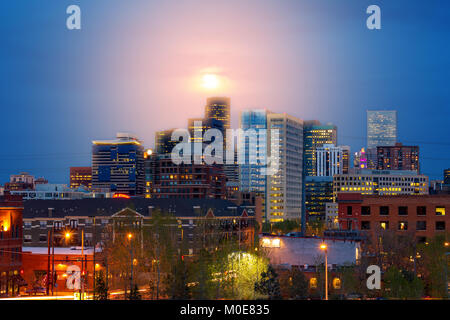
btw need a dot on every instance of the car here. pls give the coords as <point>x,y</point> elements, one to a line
<point>36,290</point>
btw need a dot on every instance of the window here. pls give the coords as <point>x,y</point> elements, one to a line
<point>27,224</point>
<point>365,225</point>
<point>402,211</point>
<point>421,225</point>
<point>440,225</point>
<point>313,283</point>
<point>42,238</point>
<point>421,211</point>
<point>349,210</point>
<point>27,238</point>
<point>384,225</point>
<point>384,211</point>
<point>43,224</point>
<point>365,211</point>
<point>73,224</point>
<point>403,225</point>
<point>57,225</point>
<point>336,283</point>
<point>440,211</point>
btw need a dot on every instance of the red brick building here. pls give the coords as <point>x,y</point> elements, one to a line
<point>67,265</point>
<point>424,215</point>
<point>398,157</point>
<point>11,209</point>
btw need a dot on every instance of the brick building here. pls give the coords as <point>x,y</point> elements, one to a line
<point>398,157</point>
<point>423,215</point>
<point>11,208</point>
<point>81,176</point>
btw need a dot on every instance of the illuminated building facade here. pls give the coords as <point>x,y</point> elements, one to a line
<point>447,176</point>
<point>284,188</point>
<point>316,135</point>
<point>118,165</point>
<point>318,192</point>
<point>21,181</point>
<point>331,160</point>
<point>163,141</point>
<point>398,157</point>
<point>423,215</point>
<point>381,128</point>
<point>381,182</point>
<point>81,176</point>
<point>11,210</point>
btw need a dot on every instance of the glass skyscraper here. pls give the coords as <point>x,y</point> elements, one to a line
<point>381,128</point>
<point>118,165</point>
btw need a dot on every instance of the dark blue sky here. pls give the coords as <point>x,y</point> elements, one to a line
<point>133,67</point>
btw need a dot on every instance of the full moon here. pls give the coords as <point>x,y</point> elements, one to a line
<point>210,81</point>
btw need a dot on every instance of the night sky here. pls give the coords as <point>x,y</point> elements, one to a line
<point>134,66</point>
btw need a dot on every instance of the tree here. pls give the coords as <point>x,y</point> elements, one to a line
<point>269,284</point>
<point>402,284</point>
<point>101,289</point>
<point>177,281</point>
<point>294,284</point>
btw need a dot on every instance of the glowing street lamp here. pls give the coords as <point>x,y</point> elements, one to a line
<point>324,248</point>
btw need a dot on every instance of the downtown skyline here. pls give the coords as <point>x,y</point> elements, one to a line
<point>64,89</point>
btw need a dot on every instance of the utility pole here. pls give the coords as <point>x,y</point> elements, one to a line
<point>53,257</point>
<point>48,264</point>
<point>95,243</point>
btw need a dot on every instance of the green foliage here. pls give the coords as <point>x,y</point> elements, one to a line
<point>282,227</point>
<point>177,281</point>
<point>402,284</point>
<point>101,289</point>
<point>269,284</point>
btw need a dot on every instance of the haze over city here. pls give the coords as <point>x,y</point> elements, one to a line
<point>141,68</point>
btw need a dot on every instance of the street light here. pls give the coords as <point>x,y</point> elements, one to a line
<point>130,236</point>
<point>324,247</point>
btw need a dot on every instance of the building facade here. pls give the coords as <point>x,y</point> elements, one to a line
<point>380,182</point>
<point>381,128</point>
<point>118,165</point>
<point>11,210</point>
<point>284,188</point>
<point>398,157</point>
<point>318,192</point>
<point>331,160</point>
<point>424,215</point>
<point>315,136</point>
<point>81,176</point>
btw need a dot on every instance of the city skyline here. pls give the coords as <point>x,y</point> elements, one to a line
<point>87,86</point>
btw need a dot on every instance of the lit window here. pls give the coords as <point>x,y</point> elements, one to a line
<point>313,283</point>
<point>336,283</point>
<point>440,211</point>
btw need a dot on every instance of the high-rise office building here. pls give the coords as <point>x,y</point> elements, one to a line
<point>447,176</point>
<point>163,141</point>
<point>217,113</point>
<point>330,160</point>
<point>381,128</point>
<point>318,192</point>
<point>316,135</point>
<point>81,176</point>
<point>398,157</point>
<point>118,165</point>
<point>345,159</point>
<point>284,188</point>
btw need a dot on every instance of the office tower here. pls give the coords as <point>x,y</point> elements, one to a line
<point>330,160</point>
<point>345,159</point>
<point>447,176</point>
<point>398,157</point>
<point>316,135</point>
<point>150,169</point>
<point>381,128</point>
<point>81,176</point>
<point>385,182</point>
<point>217,113</point>
<point>118,165</point>
<point>196,128</point>
<point>318,192</point>
<point>187,181</point>
<point>163,141</point>
<point>284,188</point>
<point>372,158</point>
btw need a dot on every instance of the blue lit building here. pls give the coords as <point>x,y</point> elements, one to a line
<point>118,165</point>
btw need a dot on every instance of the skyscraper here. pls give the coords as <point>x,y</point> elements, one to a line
<point>447,176</point>
<point>316,135</point>
<point>284,188</point>
<point>217,114</point>
<point>163,141</point>
<point>118,165</point>
<point>398,157</point>
<point>381,128</point>
<point>330,160</point>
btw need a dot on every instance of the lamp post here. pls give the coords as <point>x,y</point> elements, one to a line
<point>130,236</point>
<point>324,247</point>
